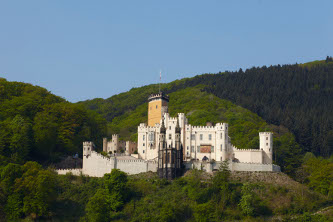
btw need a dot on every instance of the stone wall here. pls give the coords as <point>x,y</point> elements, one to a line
<point>209,167</point>
<point>96,165</point>
<point>76,172</point>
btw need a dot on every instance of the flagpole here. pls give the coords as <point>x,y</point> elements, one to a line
<point>159,85</point>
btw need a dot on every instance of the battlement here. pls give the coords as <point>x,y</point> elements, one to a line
<point>157,96</point>
<point>265,133</point>
<point>173,119</point>
<point>75,172</point>
<point>88,143</point>
<point>246,150</point>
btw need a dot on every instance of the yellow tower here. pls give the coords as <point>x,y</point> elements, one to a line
<point>157,106</point>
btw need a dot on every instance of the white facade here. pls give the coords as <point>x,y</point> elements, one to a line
<point>202,142</point>
<point>96,165</point>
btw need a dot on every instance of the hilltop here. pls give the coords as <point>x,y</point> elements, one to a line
<point>292,99</point>
<point>290,96</point>
<point>37,125</point>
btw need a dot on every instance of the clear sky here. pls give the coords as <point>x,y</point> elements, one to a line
<point>86,49</point>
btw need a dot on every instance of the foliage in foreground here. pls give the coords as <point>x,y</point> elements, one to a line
<point>30,191</point>
<point>37,125</point>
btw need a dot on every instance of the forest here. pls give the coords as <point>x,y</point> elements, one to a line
<point>37,125</point>
<point>298,97</point>
<point>39,129</point>
<point>30,192</point>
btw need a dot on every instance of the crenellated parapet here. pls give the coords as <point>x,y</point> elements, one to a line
<point>156,96</point>
<point>246,150</point>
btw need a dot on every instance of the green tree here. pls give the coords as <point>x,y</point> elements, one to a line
<point>20,142</point>
<point>98,208</point>
<point>246,202</point>
<point>221,184</point>
<point>116,183</point>
<point>38,189</point>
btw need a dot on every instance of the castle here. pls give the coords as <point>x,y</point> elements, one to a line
<point>117,146</point>
<point>169,145</point>
<point>199,143</point>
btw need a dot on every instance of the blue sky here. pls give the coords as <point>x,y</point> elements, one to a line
<point>86,49</point>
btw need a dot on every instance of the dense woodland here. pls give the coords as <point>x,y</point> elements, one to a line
<point>298,97</point>
<point>37,125</point>
<point>38,129</point>
<point>31,192</point>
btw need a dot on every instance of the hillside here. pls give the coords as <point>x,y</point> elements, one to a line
<point>294,96</point>
<point>37,125</point>
<point>201,107</point>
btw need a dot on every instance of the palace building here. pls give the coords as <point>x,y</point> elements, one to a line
<point>170,145</point>
<point>199,143</point>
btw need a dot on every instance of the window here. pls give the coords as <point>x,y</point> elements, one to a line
<point>192,149</point>
<point>210,136</point>
<point>212,149</point>
<point>221,147</point>
<point>143,137</point>
<point>201,136</point>
<point>143,144</point>
<point>187,148</point>
<point>192,136</point>
<point>151,136</point>
<point>266,144</point>
<point>169,127</point>
<point>198,149</point>
<point>221,135</point>
<point>169,136</point>
<point>143,151</point>
<point>187,153</point>
<point>266,138</point>
<point>156,106</point>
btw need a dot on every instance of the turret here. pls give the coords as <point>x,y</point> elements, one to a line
<point>162,135</point>
<point>157,107</point>
<point>177,136</point>
<point>266,144</point>
<point>105,145</point>
<point>87,148</point>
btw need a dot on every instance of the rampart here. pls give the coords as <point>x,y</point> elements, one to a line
<point>96,165</point>
<point>75,172</point>
<point>253,167</point>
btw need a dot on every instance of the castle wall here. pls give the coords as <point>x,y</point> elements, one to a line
<point>211,166</point>
<point>75,172</point>
<point>248,155</point>
<point>96,165</point>
<point>254,167</point>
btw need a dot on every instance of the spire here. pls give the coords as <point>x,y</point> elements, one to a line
<point>162,130</point>
<point>177,126</point>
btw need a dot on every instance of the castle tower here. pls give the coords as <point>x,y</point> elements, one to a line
<point>87,148</point>
<point>105,145</point>
<point>179,150</point>
<point>115,143</point>
<point>157,106</point>
<point>266,144</point>
<point>161,151</point>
